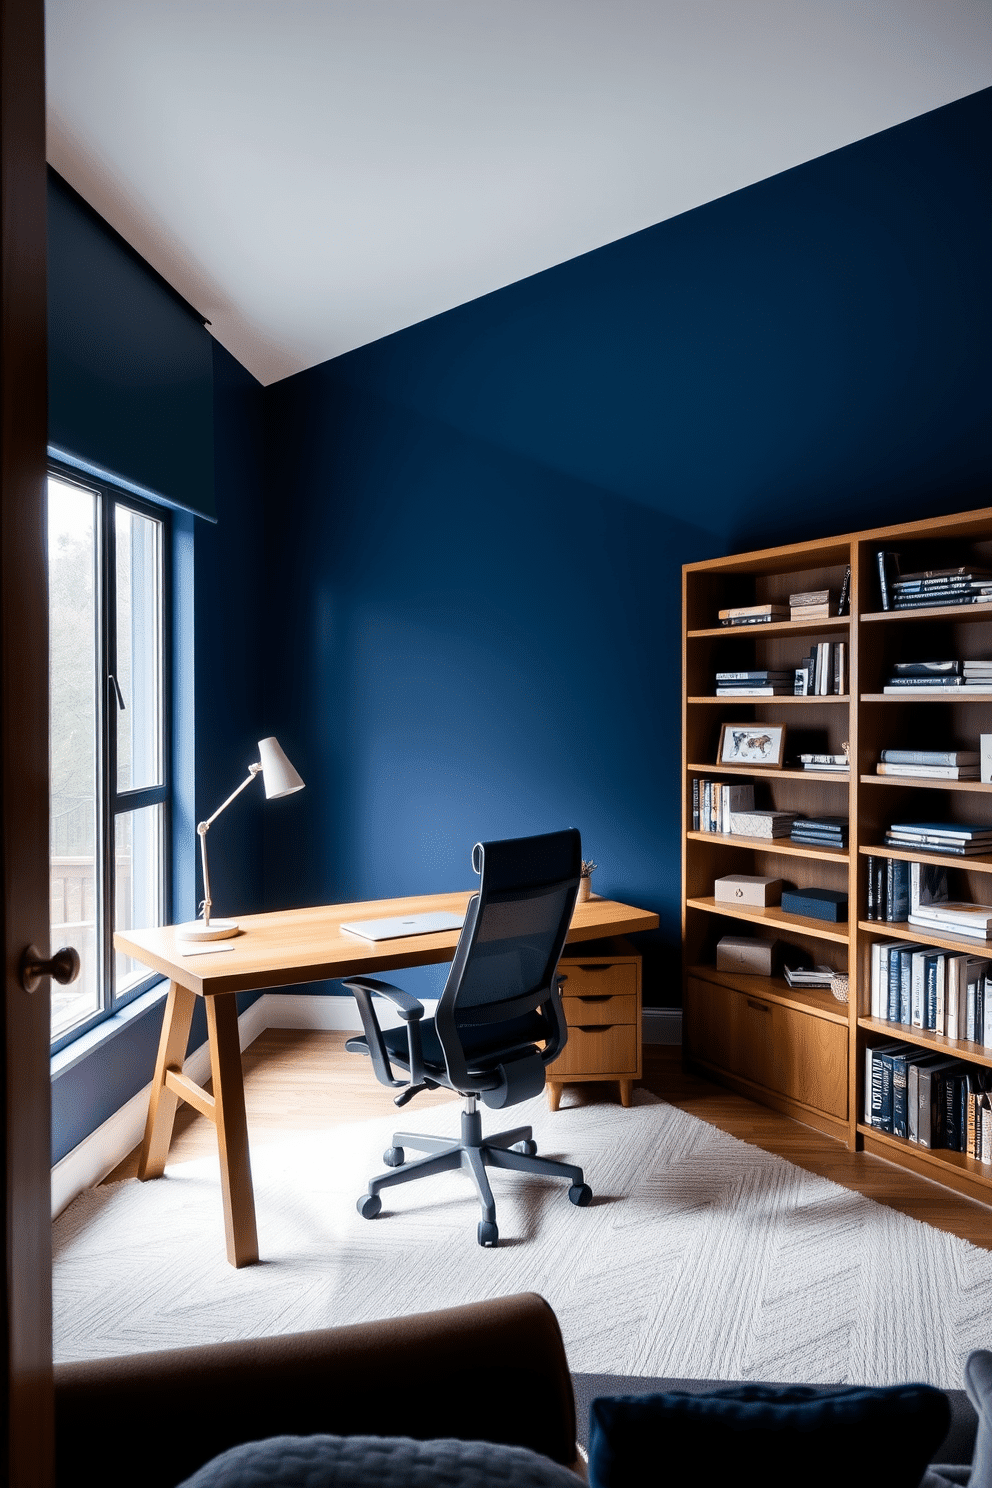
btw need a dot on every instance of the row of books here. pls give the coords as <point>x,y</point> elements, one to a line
<point>965,584</point>
<point>921,986</point>
<point>768,682</point>
<point>965,677</point>
<point>824,671</point>
<point>929,1098</point>
<point>930,764</point>
<point>715,803</point>
<point>820,831</point>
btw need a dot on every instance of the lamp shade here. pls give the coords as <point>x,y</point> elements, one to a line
<point>279,776</point>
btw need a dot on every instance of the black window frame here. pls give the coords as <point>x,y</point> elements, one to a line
<point>112,802</point>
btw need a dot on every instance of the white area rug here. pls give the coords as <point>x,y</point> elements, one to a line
<point>700,1257</point>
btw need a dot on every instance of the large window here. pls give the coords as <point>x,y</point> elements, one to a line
<point>109,755</point>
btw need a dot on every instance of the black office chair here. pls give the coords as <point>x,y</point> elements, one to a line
<point>500,1004</point>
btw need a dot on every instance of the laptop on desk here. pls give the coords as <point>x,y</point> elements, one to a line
<point>396,927</point>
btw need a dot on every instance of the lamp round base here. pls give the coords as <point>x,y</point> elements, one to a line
<point>216,930</point>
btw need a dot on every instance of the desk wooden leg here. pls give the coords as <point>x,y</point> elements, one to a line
<point>162,1105</point>
<point>626,1092</point>
<point>554,1094</point>
<point>232,1130</point>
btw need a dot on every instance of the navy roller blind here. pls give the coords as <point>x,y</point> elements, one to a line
<point>130,363</point>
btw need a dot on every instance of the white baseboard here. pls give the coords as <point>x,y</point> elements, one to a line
<point>100,1152</point>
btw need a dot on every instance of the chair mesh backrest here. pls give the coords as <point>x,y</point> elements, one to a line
<point>510,945</point>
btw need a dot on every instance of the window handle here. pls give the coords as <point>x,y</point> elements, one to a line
<point>120,695</point>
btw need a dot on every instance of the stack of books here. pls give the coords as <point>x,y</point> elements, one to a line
<point>974,676</point>
<point>768,683</point>
<point>965,584</point>
<point>941,586</point>
<point>807,976</point>
<point>824,671</point>
<point>767,824</point>
<point>763,614</point>
<point>820,831</point>
<point>960,839</point>
<point>837,763</point>
<point>930,764</point>
<point>715,802</point>
<point>814,604</point>
<point>954,919</point>
<point>929,1098</point>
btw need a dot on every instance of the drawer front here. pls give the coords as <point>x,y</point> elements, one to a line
<point>599,1007</point>
<point>811,1061</point>
<point>598,979</point>
<point>608,1051</point>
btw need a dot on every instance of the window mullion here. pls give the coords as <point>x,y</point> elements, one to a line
<point>108,741</point>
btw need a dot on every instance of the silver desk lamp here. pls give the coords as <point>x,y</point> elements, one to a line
<point>280,779</point>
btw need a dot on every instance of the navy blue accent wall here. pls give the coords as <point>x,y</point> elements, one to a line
<point>479,589</point>
<point>129,362</point>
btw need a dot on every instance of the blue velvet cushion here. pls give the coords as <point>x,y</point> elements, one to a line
<point>850,1436</point>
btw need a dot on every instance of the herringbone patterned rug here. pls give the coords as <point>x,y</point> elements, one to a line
<point>700,1257</point>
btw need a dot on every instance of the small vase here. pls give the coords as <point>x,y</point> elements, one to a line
<point>585,889</point>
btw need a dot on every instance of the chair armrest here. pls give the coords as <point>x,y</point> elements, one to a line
<point>409,1009</point>
<point>491,1371</point>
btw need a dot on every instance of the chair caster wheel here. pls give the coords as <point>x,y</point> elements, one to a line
<point>393,1157</point>
<point>488,1233</point>
<point>581,1194</point>
<point>369,1205</point>
<point>528,1148</point>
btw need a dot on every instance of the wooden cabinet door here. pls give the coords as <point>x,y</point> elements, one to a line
<point>811,1061</point>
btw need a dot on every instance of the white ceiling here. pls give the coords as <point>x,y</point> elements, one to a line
<point>314,174</point>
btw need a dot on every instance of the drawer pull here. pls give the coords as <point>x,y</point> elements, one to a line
<point>597,967</point>
<point>594,997</point>
<point>759,1007</point>
<point>594,1027</point>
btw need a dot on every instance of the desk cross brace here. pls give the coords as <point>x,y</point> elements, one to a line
<point>225,1107</point>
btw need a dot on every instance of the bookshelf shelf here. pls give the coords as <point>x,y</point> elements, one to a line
<point>783,698</point>
<point>968,614</point>
<point>943,860</point>
<point>914,782</point>
<point>833,624</point>
<point>927,1039</point>
<point>746,1030</point>
<point>780,846</point>
<point>896,930</point>
<point>772,915</point>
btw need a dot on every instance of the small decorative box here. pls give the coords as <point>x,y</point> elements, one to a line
<point>746,953</point>
<point>817,904</point>
<point>747,888</point>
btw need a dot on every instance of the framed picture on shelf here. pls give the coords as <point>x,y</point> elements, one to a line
<point>751,744</point>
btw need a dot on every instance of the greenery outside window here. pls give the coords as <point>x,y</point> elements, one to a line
<point>109,678</point>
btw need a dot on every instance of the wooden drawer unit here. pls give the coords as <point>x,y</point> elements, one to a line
<point>601,996</point>
<point>795,1058</point>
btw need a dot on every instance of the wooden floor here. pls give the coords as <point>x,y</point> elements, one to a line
<point>299,1080</point>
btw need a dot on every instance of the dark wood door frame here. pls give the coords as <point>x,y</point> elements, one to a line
<point>24,1061</point>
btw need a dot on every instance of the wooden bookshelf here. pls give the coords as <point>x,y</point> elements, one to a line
<point>803,1051</point>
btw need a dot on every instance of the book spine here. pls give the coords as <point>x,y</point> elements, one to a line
<point>905,986</point>
<point>900,890</point>
<point>917,987</point>
<point>913,1102</point>
<point>695,805</point>
<point>900,1115</point>
<point>925,1118</point>
<point>895,984</point>
<point>845,593</point>
<point>969,1016</point>
<point>706,822</point>
<point>987,1014</point>
<point>930,994</point>
<point>873,1004</point>
<point>870,905</point>
<point>922,757</point>
<point>877,1090</point>
<point>885,1060</point>
<point>882,558</point>
<point>889,889</point>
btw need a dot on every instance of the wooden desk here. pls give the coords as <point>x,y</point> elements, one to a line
<point>280,950</point>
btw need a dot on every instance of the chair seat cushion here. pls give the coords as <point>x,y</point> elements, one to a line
<point>851,1436</point>
<point>379,1462</point>
<point>484,1047</point>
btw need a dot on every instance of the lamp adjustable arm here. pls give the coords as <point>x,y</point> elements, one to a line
<point>204,827</point>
